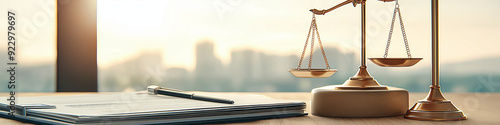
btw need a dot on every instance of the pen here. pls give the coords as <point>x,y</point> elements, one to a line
<point>155,90</point>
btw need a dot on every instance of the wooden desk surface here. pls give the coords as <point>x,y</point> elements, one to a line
<point>481,109</point>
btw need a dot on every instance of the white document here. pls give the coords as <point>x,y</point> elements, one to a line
<point>139,105</point>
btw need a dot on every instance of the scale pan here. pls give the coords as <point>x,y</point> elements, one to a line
<point>395,62</point>
<point>312,73</point>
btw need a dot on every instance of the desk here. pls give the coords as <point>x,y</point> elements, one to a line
<point>481,108</point>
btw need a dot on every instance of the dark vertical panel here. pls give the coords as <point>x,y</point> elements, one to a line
<point>76,46</point>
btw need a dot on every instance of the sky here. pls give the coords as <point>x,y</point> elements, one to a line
<point>126,28</point>
<point>36,31</point>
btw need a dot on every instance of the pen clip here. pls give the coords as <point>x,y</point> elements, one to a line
<point>153,89</point>
<point>169,89</point>
<point>21,109</point>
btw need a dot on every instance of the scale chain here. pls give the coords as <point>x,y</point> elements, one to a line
<point>314,29</point>
<point>305,46</point>
<point>312,44</point>
<point>397,10</point>
<point>403,32</point>
<point>321,46</point>
<point>390,33</point>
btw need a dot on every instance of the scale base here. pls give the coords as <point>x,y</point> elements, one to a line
<point>417,114</point>
<point>330,101</point>
<point>435,107</point>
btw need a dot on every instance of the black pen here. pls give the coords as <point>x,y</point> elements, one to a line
<point>154,90</point>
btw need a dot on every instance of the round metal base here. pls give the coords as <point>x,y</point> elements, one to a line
<point>354,83</point>
<point>361,81</point>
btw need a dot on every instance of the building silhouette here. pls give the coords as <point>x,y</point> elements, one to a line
<point>209,73</point>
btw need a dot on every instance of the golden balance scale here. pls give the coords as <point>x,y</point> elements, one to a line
<point>361,95</point>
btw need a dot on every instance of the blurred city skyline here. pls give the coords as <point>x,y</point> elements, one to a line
<point>253,71</point>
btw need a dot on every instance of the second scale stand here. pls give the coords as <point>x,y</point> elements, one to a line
<point>435,106</point>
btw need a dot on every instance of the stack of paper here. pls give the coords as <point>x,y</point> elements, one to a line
<point>141,108</point>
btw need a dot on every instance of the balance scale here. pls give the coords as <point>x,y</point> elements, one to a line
<point>361,95</point>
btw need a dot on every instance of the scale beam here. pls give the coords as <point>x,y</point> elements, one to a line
<point>354,3</point>
<point>323,12</point>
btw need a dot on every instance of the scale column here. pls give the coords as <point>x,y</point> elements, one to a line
<point>435,93</point>
<point>435,44</point>
<point>362,79</point>
<point>363,35</point>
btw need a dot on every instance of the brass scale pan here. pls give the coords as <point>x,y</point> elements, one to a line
<point>308,72</point>
<point>396,62</point>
